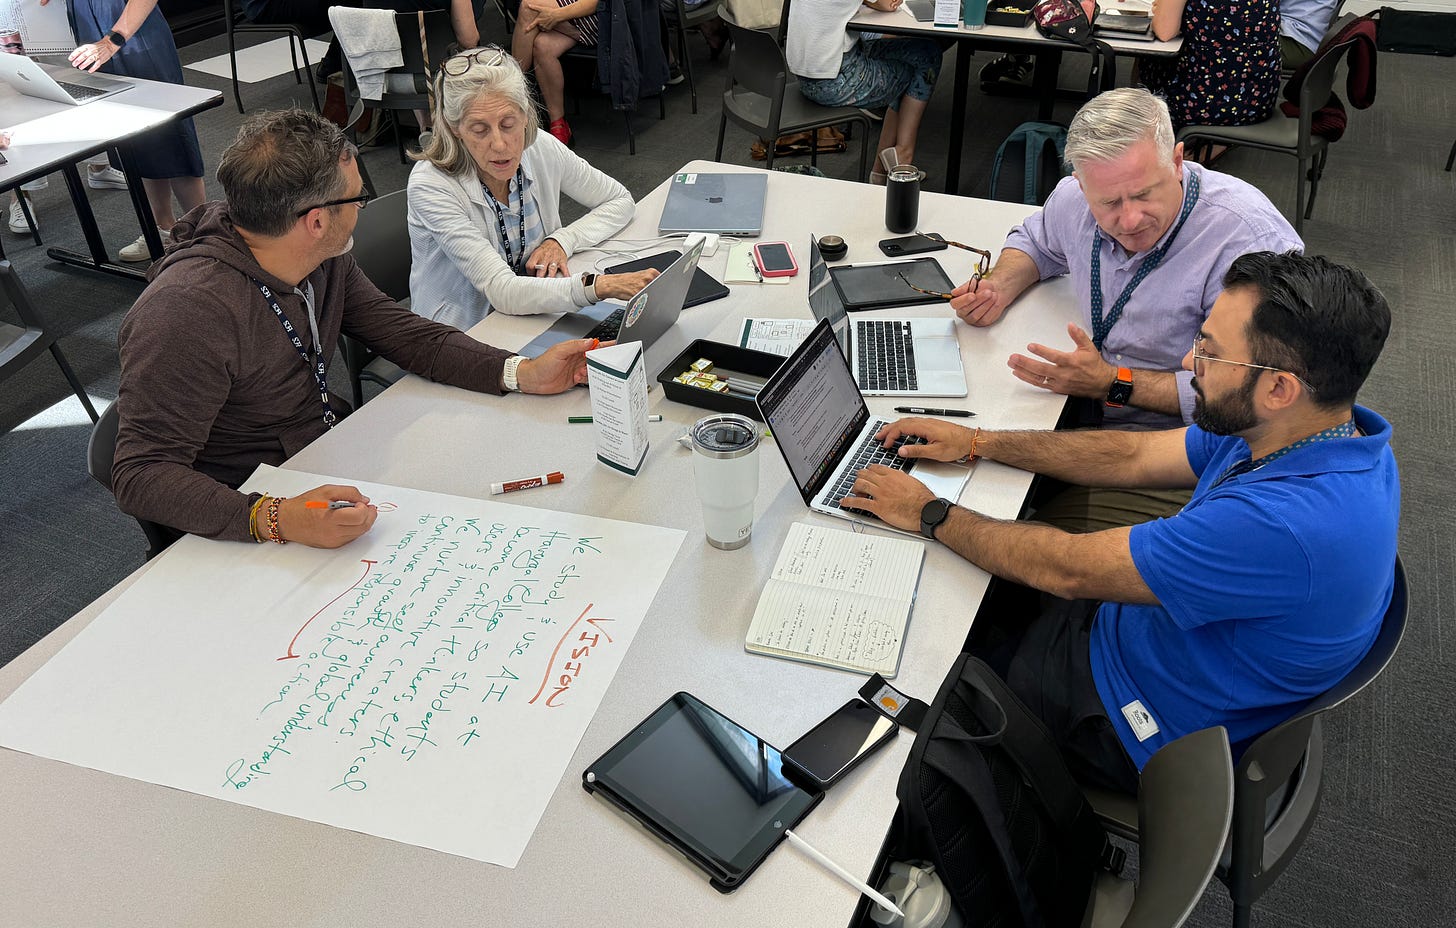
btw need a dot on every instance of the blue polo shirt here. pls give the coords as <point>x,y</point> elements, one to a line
<point>1271,586</point>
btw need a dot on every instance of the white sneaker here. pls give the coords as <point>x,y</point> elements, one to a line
<point>108,178</point>
<point>17,222</point>
<point>137,251</point>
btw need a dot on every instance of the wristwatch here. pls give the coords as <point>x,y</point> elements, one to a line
<point>932,514</point>
<point>589,281</point>
<point>116,38</point>
<point>1121,390</point>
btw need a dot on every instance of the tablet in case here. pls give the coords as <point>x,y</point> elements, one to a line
<point>878,286</point>
<point>711,789</point>
<point>704,289</point>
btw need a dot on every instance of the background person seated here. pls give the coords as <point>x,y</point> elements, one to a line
<point>1227,73</point>
<point>224,356</point>
<point>1263,592</point>
<point>485,204</point>
<point>546,30</point>
<point>1302,26</point>
<point>837,67</point>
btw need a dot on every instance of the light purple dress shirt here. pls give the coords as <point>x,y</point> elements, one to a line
<point>1159,321</point>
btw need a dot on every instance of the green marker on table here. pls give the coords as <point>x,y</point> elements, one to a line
<point>579,420</point>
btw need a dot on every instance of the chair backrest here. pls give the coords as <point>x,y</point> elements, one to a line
<point>757,65</point>
<point>424,38</point>
<point>1319,79</point>
<point>101,447</point>
<point>18,345</point>
<point>382,246</point>
<point>1185,807</point>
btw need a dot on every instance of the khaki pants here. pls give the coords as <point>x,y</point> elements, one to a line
<point>1092,509</point>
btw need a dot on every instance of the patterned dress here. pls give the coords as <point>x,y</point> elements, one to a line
<point>1228,72</point>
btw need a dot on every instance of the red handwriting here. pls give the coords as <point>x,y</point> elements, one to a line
<point>580,650</point>
<point>291,655</point>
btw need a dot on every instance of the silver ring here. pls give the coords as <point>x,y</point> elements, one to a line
<point>554,264</point>
<point>1045,381</point>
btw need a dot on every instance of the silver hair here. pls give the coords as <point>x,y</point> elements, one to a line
<point>1112,122</point>
<point>491,72</point>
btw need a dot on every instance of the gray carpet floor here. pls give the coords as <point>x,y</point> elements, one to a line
<point>1382,851</point>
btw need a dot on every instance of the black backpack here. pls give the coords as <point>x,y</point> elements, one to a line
<point>1033,156</point>
<point>986,797</point>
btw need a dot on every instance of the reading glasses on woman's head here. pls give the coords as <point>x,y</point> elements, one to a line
<point>488,55</point>
<point>1199,357</point>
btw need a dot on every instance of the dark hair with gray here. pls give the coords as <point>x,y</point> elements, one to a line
<point>1321,321</point>
<point>1112,122</point>
<point>281,162</point>
<point>490,72</point>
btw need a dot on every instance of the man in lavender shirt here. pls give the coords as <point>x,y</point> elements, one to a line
<point>1155,234</point>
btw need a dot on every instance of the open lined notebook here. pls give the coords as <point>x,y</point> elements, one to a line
<point>840,599</point>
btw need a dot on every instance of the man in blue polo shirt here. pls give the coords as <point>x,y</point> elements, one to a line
<point>1269,585</point>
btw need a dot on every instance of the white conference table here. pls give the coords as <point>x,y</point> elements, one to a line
<point>46,136</point>
<point>1023,40</point>
<point>87,848</point>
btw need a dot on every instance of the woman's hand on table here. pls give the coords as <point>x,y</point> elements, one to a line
<point>884,6</point>
<point>624,286</point>
<point>548,260</point>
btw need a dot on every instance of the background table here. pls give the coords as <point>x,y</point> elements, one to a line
<point>47,137</point>
<point>1022,40</point>
<point>86,848</point>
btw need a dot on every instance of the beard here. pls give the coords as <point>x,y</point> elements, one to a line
<point>1229,415</point>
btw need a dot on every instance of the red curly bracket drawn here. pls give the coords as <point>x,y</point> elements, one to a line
<point>290,655</point>
<point>554,651</point>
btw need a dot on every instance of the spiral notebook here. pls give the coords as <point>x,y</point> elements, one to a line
<point>839,599</point>
<point>44,30</point>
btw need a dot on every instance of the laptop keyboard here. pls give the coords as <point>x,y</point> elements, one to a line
<point>871,452</point>
<point>609,327</point>
<point>886,355</point>
<point>78,92</point>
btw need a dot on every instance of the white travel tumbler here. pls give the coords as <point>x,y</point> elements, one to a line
<point>725,465</point>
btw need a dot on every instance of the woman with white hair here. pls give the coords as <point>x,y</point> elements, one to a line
<point>484,204</point>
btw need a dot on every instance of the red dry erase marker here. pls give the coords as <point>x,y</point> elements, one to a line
<point>555,476</point>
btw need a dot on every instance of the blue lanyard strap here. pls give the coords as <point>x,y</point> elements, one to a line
<point>1345,429</point>
<point>1100,326</point>
<point>320,372</point>
<point>515,261</point>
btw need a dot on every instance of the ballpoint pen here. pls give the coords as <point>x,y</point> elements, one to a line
<point>931,411</point>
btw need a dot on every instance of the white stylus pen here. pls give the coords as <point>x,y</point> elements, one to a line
<point>842,873</point>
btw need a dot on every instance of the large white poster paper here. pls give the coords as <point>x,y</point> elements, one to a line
<point>428,682</point>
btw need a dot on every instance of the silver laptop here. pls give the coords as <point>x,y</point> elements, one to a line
<point>922,10</point>
<point>56,83</point>
<point>825,432</point>
<point>889,357</point>
<point>729,204</point>
<point>645,318</point>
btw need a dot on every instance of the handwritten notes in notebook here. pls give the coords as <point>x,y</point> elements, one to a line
<point>837,598</point>
<point>427,683</point>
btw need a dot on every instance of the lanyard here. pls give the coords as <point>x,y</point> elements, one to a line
<point>1344,430</point>
<point>1101,327</point>
<point>515,261</point>
<point>320,372</point>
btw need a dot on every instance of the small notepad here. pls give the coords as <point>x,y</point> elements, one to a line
<point>840,599</point>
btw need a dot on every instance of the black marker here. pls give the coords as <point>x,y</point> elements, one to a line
<point>927,411</point>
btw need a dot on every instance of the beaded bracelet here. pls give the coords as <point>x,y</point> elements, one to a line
<point>272,519</point>
<point>253,519</point>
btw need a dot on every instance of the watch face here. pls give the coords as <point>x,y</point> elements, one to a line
<point>1120,393</point>
<point>932,515</point>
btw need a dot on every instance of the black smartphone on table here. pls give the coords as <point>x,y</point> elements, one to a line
<point>910,245</point>
<point>832,748</point>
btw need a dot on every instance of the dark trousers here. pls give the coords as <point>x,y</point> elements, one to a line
<point>1049,668</point>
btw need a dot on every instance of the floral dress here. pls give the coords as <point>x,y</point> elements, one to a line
<point>1228,71</point>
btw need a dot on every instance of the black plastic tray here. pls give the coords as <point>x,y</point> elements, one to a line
<point>730,358</point>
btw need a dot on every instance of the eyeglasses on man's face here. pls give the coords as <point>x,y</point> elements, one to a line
<point>487,55</point>
<point>1199,357</point>
<point>361,201</point>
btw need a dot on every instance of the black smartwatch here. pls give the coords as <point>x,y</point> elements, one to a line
<point>1121,390</point>
<point>116,38</point>
<point>932,514</point>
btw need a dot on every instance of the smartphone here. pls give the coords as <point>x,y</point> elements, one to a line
<point>830,749</point>
<point>775,259</point>
<point>910,245</point>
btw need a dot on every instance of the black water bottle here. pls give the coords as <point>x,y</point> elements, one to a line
<point>902,199</point>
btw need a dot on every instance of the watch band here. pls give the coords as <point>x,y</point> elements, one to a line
<point>116,38</point>
<point>508,376</point>
<point>933,514</point>
<point>589,283</point>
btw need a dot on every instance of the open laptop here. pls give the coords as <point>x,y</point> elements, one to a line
<point>56,83</point>
<point>645,318</point>
<point>922,10</point>
<point>825,432</point>
<point>729,204</point>
<point>889,357</point>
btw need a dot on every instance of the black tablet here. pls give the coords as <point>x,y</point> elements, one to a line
<point>704,289</point>
<point>879,286</point>
<point>704,784</point>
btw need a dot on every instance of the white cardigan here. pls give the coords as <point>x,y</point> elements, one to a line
<point>457,274</point>
<point>811,48</point>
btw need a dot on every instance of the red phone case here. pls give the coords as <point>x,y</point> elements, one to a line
<point>777,272</point>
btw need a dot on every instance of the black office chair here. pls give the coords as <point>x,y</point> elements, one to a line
<point>1278,779</point>
<point>425,41</point>
<point>382,250</point>
<point>1186,800</point>
<point>100,454</point>
<point>236,22</point>
<point>764,98</point>
<point>20,344</point>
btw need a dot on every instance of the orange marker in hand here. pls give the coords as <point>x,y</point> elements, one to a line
<point>336,504</point>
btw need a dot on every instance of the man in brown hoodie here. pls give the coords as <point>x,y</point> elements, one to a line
<point>224,355</point>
